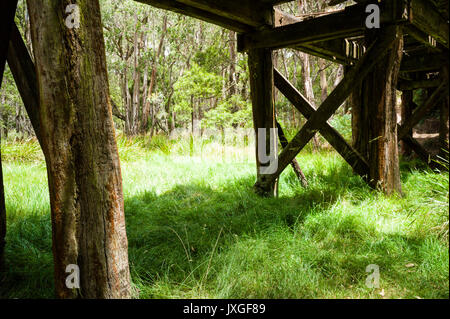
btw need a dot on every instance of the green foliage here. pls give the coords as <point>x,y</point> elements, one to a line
<point>197,83</point>
<point>233,112</point>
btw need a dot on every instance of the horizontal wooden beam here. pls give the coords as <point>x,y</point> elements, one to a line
<point>423,62</point>
<point>276,2</point>
<point>426,17</point>
<point>329,50</point>
<point>422,37</point>
<point>350,155</point>
<point>346,23</point>
<point>332,50</point>
<point>201,14</point>
<point>335,25</point>
<point>431,160</point>
<point>249,12</point>
<point>408,85</point>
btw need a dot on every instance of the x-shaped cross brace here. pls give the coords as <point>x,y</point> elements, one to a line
<point>318,120</point>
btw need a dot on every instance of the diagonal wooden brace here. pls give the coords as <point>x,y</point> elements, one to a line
<point>351,155</point>
<point>7,13</point>
<point>421,111</point>
<point>24,73</point>
<point>353,78</point>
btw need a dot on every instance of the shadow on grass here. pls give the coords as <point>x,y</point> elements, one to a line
<point>173,234</point>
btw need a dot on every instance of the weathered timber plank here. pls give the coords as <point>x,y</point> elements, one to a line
<point>346,23</point>
<point>426,17</point>
<point>407,85</point>
<point>422,37</point>
<point>423,62</point>
<point>276,2</point>
<point>430,160</point>
<point>351,155</point>
<point>332,50</point>
<point>254,13</point>
<point>207,16</point>
<point>334,25</point>
<point>353,78</point>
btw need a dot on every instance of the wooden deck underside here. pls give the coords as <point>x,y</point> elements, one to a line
<point>335,35</point>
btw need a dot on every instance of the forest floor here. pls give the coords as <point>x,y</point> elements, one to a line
<point>196,230</point>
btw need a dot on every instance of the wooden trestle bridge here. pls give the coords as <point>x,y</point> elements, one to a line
<point>408,51</point>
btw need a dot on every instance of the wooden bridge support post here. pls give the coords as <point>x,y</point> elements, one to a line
<point>444,120</point>
<point>261,85</point>
<point>360,117</point>
<point>405,113</point>
<point>384,172</point>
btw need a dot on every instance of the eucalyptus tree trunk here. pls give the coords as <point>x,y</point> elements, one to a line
<point>78,141</point>
<point>233,63</point>
<point>134,111</point>
<point>147,109</point>
<point>306,73</point>
<point>323,79</point>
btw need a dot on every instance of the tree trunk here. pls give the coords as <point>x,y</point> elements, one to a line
<point>146,109</point>
<point>306,73</point>
<point>233,62</point>
<point>85,182</point>
<point>136,82</point>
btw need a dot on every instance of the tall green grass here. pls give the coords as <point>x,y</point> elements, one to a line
<point>196,230</point>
